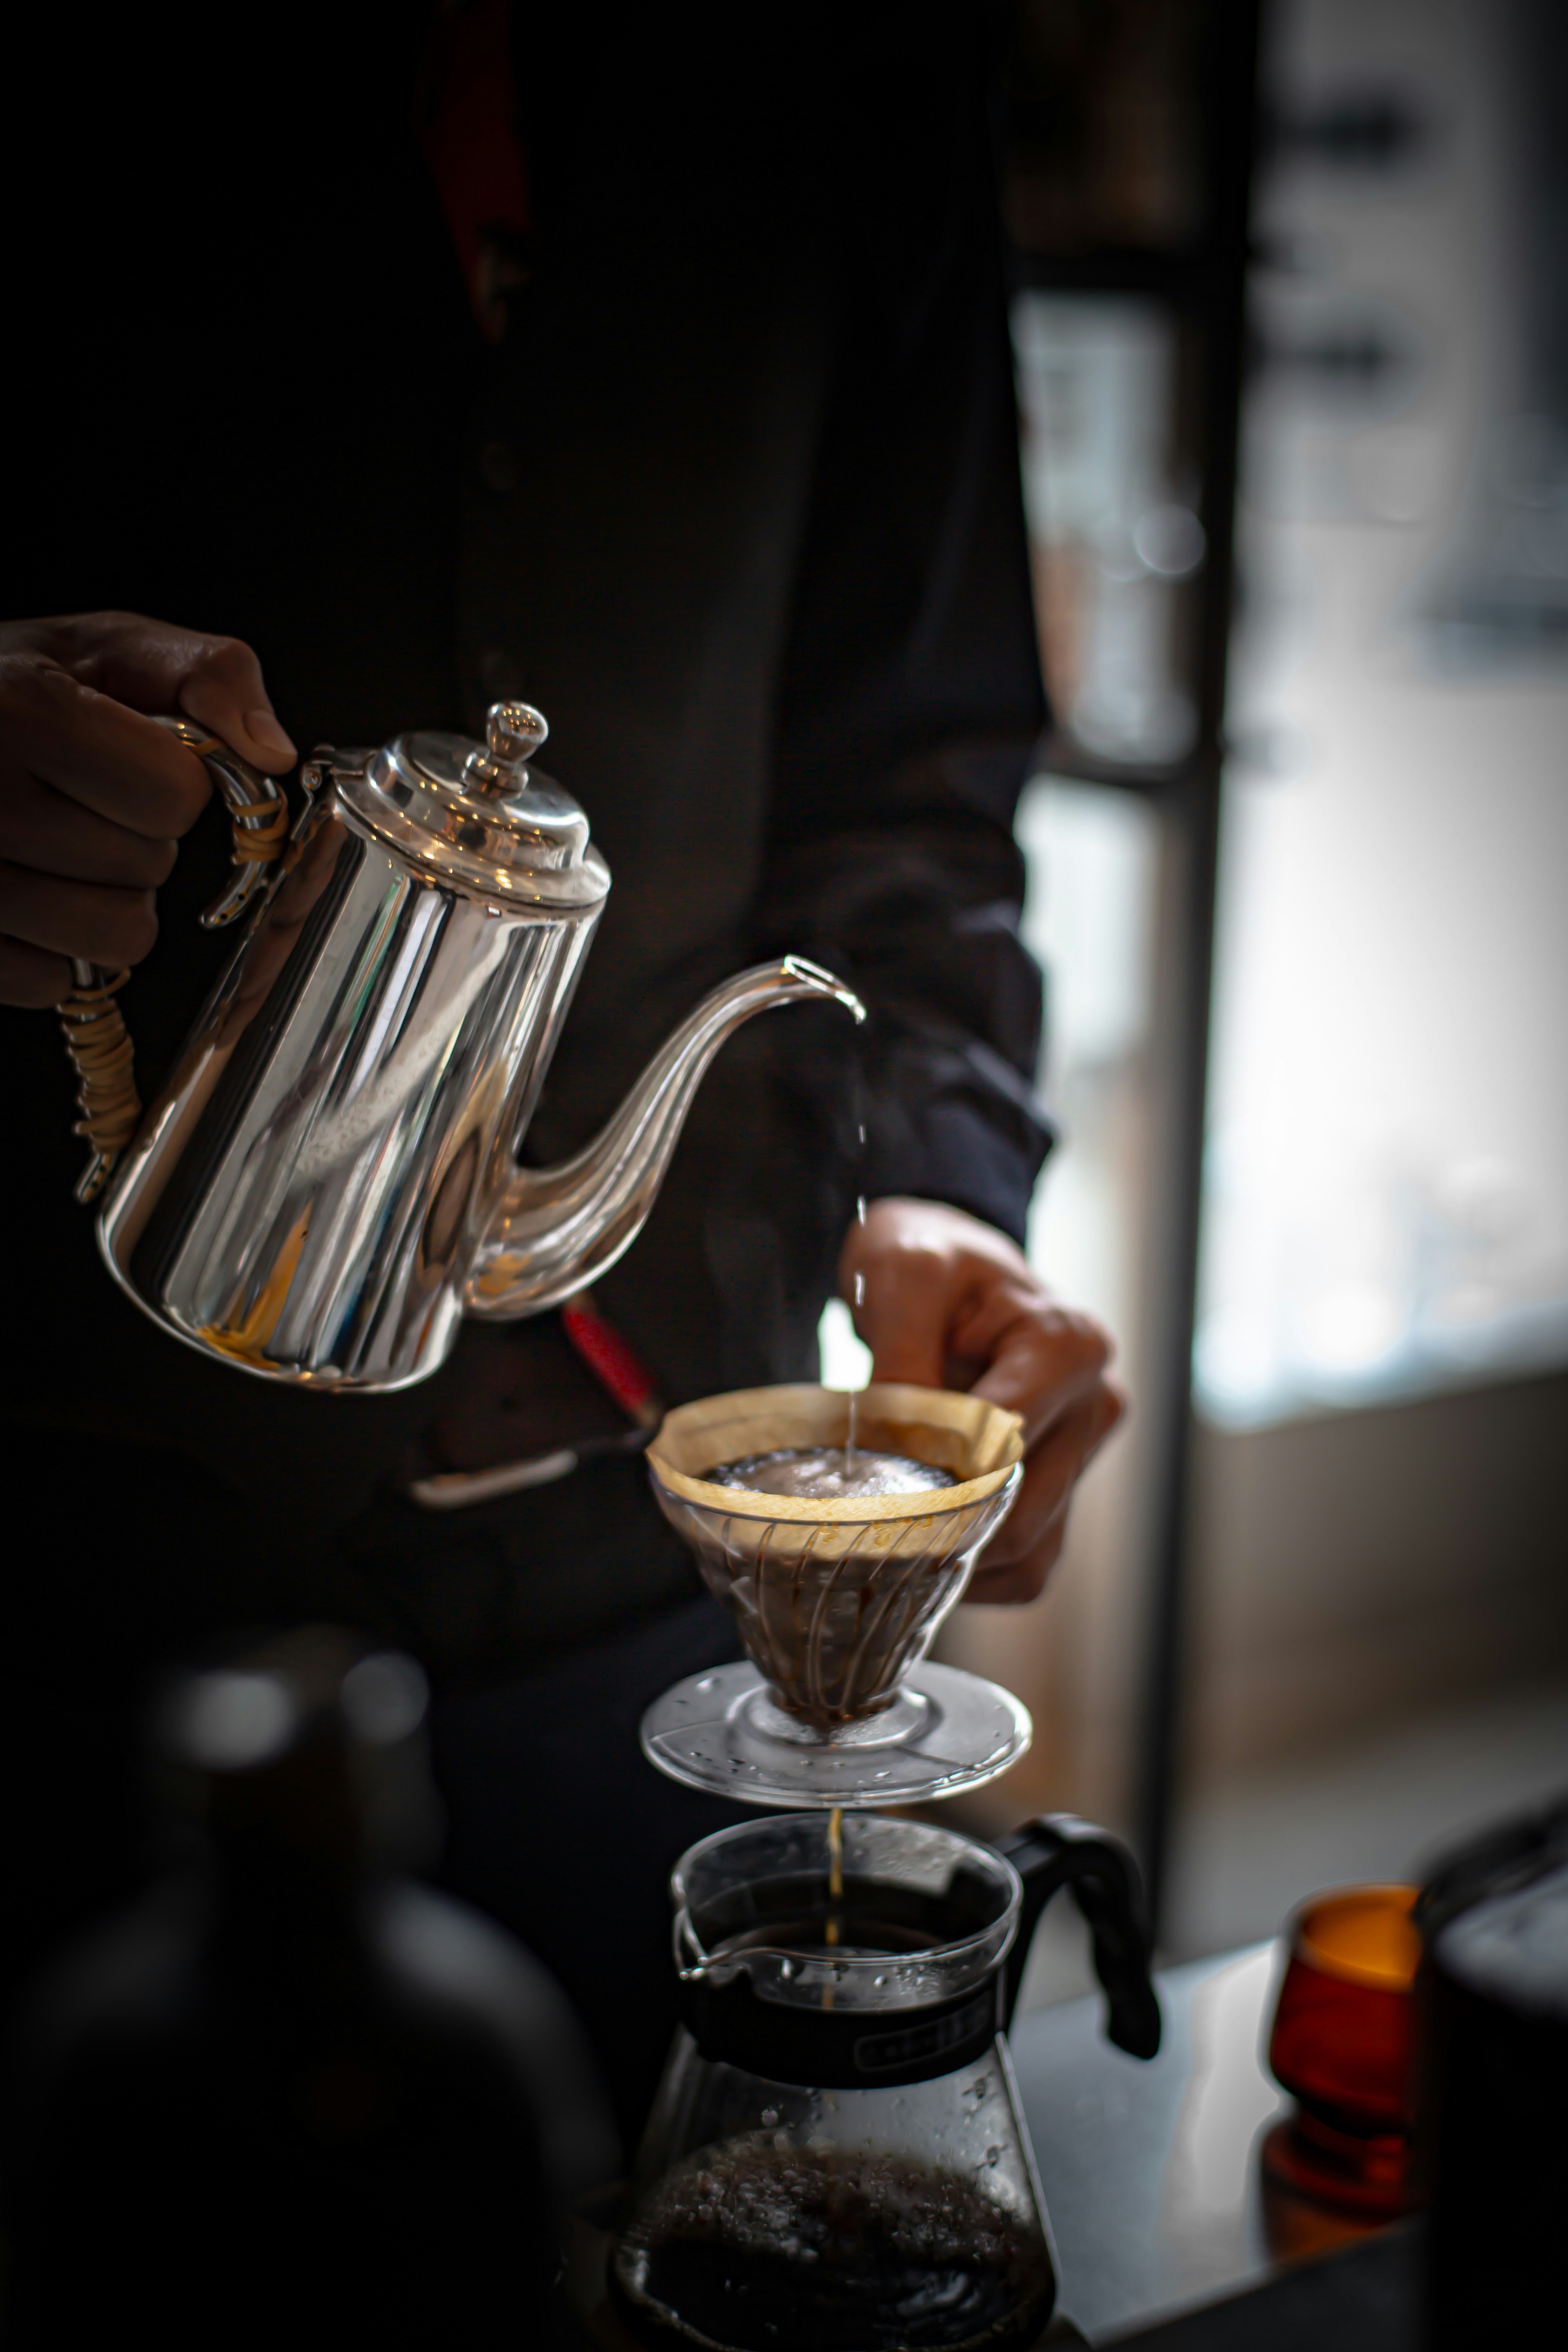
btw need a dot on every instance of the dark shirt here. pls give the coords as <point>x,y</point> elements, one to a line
<point>736,500</point>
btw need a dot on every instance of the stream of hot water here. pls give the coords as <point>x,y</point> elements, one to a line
<point>857,1303</point>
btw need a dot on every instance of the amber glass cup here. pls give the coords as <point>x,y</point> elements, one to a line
<point>1343,2045</point>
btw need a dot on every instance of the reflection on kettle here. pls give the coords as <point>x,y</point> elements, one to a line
<point>327,1181</point>
<point>836,2155</point>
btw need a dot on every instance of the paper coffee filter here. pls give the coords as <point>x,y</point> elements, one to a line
<point>837,1601</point>
<point>976,1442</point>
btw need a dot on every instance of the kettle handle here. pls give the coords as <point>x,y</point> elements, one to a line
<point>97,1039</point>
<point>1059,1850</point>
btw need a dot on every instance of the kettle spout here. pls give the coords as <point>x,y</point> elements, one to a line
<point>554,1230</point>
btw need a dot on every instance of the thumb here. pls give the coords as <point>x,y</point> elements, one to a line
<point>154,667</point>
<point>230,698</point>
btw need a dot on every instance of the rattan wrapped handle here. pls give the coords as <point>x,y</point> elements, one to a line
<point>97,1039</point>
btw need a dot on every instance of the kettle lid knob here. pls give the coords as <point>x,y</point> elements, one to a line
<point>514,731</point>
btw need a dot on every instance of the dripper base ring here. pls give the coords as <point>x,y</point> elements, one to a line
<point>945,1732</point>
<point>893,1726</point>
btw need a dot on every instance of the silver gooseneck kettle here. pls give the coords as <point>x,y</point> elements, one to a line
<point>327,1181</point>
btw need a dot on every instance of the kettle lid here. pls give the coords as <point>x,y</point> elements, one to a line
<point>476,817</point>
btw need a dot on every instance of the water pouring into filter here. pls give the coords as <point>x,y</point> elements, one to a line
<point>857,1302</point>
<point>839,1571</point>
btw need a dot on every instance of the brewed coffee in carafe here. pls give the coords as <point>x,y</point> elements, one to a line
<point>762,2246</point>
<point>837,2158</point>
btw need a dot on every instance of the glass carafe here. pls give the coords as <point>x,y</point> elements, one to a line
<point>837,2158</point>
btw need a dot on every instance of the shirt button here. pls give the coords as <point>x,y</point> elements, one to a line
<point>498,466</point>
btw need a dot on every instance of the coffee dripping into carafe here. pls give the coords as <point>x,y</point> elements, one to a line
<point>327,1181</point>
<point>837,2159</point>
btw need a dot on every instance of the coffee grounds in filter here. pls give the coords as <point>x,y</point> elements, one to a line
<point>829,1473</point>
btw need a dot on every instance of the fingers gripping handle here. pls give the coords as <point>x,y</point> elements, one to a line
<point>97,1039</point>
<point>258,813</point>
<point>1059,1850</point>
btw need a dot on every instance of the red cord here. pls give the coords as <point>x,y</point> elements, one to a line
<point>613,1361</point>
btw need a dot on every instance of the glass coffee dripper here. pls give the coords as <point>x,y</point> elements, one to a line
<point>837,2156</point>
<point>837,1602</point>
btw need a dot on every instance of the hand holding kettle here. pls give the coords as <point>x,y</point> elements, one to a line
<point>95,796</point>
<point>328,1181</point>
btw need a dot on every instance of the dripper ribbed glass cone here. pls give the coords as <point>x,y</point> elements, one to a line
<point>836,1602</point>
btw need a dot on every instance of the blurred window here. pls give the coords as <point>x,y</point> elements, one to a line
<point>1088,917</point>
<point>1113,528</point>
<point>1387,1189</point>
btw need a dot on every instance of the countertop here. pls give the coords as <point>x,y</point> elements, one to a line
<point>1149,2169</point>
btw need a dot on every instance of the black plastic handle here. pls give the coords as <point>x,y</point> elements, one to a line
<point>1059,1850</point>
